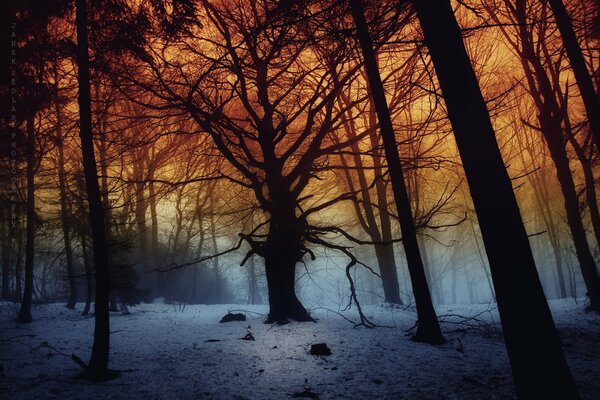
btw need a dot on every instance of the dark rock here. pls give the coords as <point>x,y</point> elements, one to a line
<point>320,349</point>
<point>233,317</point>
<point>307,394</point>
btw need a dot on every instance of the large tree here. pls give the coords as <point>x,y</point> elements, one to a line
<point>263,84</point>
<point>538,364</point>
<point>97,369</point>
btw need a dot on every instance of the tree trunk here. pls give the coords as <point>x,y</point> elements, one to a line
<point>428,328</point>
<point>213,233</point>
<point>389,275</point>
<point>384,251</point>
<point>280,268</point>
<point>6,256</point>
<point>282,250</point>
<point>534,350</point>
<point>590,183</point>
<point>567,186</point>
<point>98,365</point>
<point>140,219</point>
<point>88,274</point>
<point>154,221</point>
<point>113,300</point>
<point>25,311</point>
<point>64,213</point>
<point>388,268</point>
<point>19,258</point>
<point>582,75</point>
<point>253,294</point>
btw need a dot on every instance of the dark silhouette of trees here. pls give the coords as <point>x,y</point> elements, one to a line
<point>25,311</point>
<point>550,116</point>
<point>582,75</point>
<point>538,364</point>
<point>428,328</point>
<point>97,369</point>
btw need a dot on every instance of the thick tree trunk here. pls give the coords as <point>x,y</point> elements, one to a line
<point>25,311</point>
<point>428,329</point>
<point>582,75</point>
<point>98,365</point>
<point>538,364</point>
<point>64,214</point>
<point>282,251</point>
<point>280,268</point>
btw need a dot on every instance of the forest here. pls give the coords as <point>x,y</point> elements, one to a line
<point>381,199</point>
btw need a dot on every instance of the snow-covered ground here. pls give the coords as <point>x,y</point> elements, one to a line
<point>170,352</point>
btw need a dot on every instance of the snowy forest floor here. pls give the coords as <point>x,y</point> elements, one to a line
<point>175,352</point>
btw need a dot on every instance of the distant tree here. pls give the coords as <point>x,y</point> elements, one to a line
<point>34,46</point>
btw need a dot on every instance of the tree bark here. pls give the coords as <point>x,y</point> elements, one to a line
<point>25,311</point>
<point>98,365</point>
<point>428,328</point>
<point>282,250</point>
<point>582,75</point>
<point>534,350</point>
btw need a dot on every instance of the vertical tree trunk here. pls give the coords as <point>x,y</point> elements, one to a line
<point>25,311</point>
<point>64,212</point>
<point>384,248</point>
<point>388,261</point>
<point>253,294</point>
<point>428,329</point>
<point>19,258</point>
<point>571,202</point>
<point>154,221</point>
<point>590,183</point>
<point>140,219</point>
<point>213,233</point>
<point>6,256</point>
<point>98,365</point>
<point>282,250</point>
<point>88,274</point>
<point>538,364</point>
<point>582,75</point>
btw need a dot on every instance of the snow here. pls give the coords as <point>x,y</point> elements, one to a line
<point>164,352</point>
